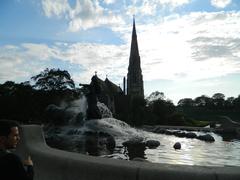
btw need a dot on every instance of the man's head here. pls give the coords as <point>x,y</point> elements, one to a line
<point>9,134</point>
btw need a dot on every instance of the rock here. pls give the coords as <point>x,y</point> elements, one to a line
<point>213,124</point>
<point>190,135</point>
<point>134,141</point>
<point>207,138</point>
<point>152,144</point>
<point>167,132</point>
<point>159,130</point>
<point>99,143</point>
<point>177,145</point>
<point>135,147</point>
<point>110,141</point>
<point>180,134</point>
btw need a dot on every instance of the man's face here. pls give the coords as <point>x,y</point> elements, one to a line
<point>12,139</point>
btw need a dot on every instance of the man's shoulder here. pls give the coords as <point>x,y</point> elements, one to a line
<point>8,156</point>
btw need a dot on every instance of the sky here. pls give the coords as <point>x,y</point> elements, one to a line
<point>188,48</point>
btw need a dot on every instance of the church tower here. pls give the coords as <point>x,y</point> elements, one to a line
<point>134,76</point>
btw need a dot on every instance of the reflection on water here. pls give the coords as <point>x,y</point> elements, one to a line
<point>224,151</point>
<point>194,151</point>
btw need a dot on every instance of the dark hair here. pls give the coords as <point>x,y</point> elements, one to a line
<point>6,125</point>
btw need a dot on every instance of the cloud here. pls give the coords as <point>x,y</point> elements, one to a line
<point>205,47</point>
<point>173,3</point>
<point>108,60</point>
<point>220,3</point>
<point>28,59</point>
<point>13,64</point>
<point>151,7</point>
<point>86,14</point>
<point>198,45</point>
<point>58,8</point>
<point>37,51</point>
<point>186,48</point>
<point>109,1</point>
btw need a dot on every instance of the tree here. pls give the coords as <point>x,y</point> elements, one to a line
<point>218,99</point>
<point>229,103</point>
<point>218,96</point>
<point>186,102</point>
<point>16,101</point>
<point>162,109</point>
<point>202,101</point>
<point>54,79</point>
<point>236,103</point>
<point>8,88</point>
<point>155,96</point>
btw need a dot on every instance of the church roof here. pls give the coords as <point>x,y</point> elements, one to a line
<point>106,86</point>
<point>112,88</point>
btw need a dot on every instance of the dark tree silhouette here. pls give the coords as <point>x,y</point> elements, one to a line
<point>53,79</point>
<point>218,99</point>
<point>203,101</point>
<point>229,103</point>
<point>155,96</point>
<point>162,109</point>
<point>186,102</point>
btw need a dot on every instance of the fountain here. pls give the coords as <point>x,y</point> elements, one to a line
<point>105,136</point>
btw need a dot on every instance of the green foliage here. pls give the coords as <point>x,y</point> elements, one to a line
<point>53,79</point>
<point>202,101</point>
<point>177,119</point>
<point>162,109</point>
<point>186,102</point>
<point>155,96</point>
<point>216,102</point>
<point>26,104</point>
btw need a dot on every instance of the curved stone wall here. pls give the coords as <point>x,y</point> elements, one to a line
<point>53,164</point>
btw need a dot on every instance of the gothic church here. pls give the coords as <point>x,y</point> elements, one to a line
<point>112,95</point>
<point>134,76</point>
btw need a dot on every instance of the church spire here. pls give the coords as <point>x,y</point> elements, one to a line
<point>134,76</point>
<point>134,44</point>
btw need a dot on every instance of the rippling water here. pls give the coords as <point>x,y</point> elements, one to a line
<point>192,152</point>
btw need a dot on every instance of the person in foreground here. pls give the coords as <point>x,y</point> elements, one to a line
<point>11,167</point>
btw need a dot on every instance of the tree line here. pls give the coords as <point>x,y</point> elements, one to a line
<point>210,108</point>
<point>27,102</point>
<point>217,101</point>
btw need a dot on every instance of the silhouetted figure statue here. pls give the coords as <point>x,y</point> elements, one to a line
<point>93,89</point>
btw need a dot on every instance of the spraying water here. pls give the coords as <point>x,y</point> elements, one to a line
<point>72,137</point>
<point>105,112</point>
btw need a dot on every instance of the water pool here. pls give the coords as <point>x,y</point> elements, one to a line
<point>193,151</point>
